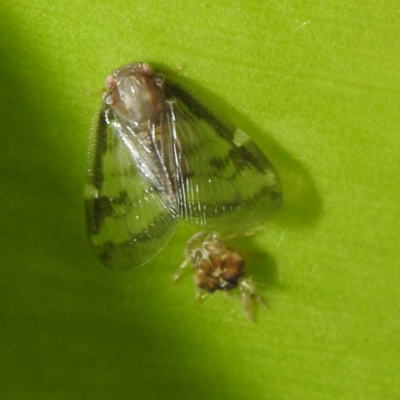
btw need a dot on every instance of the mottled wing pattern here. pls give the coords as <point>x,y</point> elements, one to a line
<point>129,217</point>
<point>224,180</point>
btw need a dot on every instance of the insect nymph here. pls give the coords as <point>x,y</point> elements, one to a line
<point>218,267</point>
<point>158,155</point>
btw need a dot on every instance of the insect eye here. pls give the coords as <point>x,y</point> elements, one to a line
<point>109,82</point>
<point>107,99</point>
<point>147,69</point>
<point>159,81</point>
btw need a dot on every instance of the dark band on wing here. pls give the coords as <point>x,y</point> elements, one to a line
<point>248,156</point>
<point>222,128</point>
<point>242,159</point>
<point>159,228</point>
<point>98,208</point>
<point>100,141</point>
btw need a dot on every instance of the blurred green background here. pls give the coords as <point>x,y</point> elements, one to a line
<point>316,85</point>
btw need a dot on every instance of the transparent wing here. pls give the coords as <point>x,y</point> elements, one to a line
<point>224,180</point>
<point>129,208</point>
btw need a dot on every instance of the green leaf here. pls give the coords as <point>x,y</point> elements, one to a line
<point>316,86</point>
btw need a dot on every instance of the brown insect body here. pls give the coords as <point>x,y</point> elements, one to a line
<point>217,267</point>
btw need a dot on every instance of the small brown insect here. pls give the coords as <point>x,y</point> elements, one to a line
<point>217,267</point>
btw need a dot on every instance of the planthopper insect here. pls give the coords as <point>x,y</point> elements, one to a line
<point>157,155</point>
<point>218,267</point>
